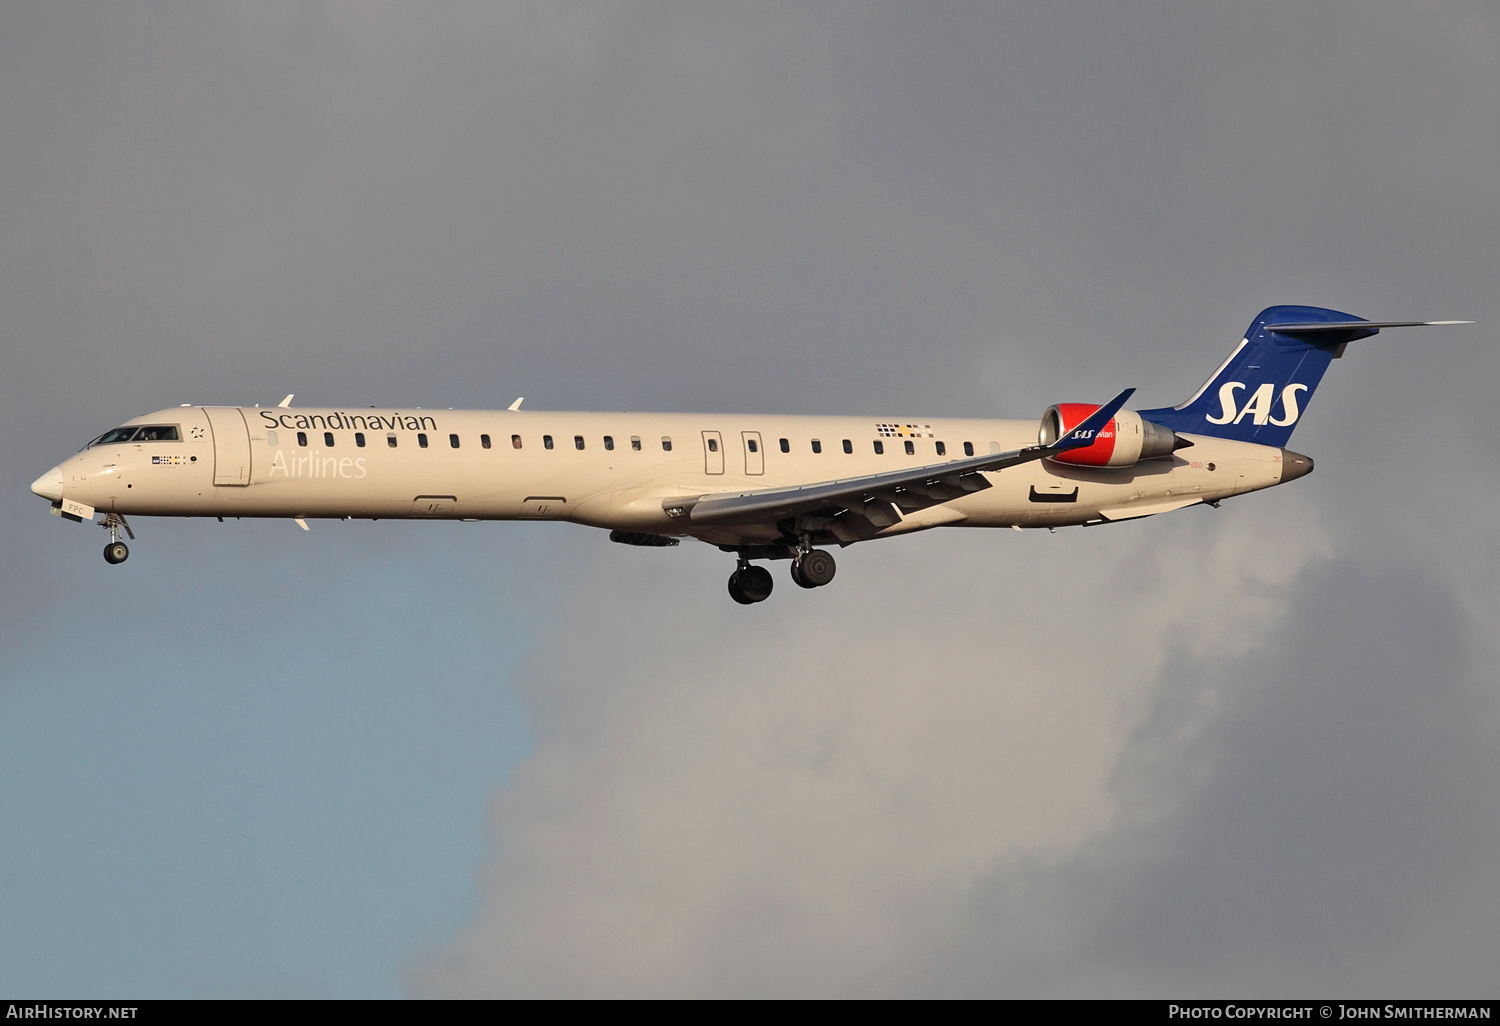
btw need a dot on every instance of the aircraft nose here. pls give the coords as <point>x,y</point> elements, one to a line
<point>49,485</point>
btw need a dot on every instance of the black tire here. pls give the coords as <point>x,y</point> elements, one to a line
<point>816,568</point>
<point>797,578</point>
<point>735,592</point>
<point>755,583</point>
<point>116,552</point>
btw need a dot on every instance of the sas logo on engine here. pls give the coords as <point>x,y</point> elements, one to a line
<point>169,461</point>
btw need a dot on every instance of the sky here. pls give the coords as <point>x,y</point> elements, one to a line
<point>1216,752</point>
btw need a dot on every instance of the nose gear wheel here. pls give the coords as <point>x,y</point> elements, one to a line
<point>116,551</point>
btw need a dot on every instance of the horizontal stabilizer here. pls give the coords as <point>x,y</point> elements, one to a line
<point>1329,333</point>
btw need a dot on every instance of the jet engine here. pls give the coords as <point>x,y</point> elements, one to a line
<point>1125,440</point>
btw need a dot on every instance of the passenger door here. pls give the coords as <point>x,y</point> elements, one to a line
<point>231,445</point>
<point>713,453</point>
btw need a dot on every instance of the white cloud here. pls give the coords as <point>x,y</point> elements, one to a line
<point>769,800</point>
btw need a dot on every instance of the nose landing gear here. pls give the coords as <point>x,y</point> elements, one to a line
<point>116,551</point>
<point>750,584</point>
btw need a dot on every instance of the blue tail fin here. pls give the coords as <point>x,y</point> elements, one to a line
<point>1262,390</point>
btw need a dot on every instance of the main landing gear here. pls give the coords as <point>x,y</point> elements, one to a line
<point>813,569</point>
<point>751,584</point>
<point>116,551</point>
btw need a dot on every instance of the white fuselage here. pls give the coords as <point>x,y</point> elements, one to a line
<point>610,470</point>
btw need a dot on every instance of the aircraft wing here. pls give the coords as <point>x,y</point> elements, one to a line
<point>873,496</point>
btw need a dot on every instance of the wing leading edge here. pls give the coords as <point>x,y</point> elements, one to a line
<point>881,499</point>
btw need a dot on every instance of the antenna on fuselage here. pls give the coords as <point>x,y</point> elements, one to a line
<point>285,402</point>
<point>517,404</point>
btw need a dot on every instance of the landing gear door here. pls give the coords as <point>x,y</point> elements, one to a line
<point>713,453</point>
<point>755,458</point>
<point>231,445</point>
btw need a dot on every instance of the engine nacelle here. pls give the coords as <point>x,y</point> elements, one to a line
<point>1125,440</point>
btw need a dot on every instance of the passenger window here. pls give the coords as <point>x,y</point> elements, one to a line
<point>484,441</point>
<point>328,439</point>
<point>786,446</point>
<point>609,443</point>
<point>578,442</point>
<point>160,433</point>
<point>359,439</point>
<point>817,445</point>
<point>390,439</point>
<point>271,439</point>
<point>546,441</point>
<point>879,448</point>
<point>666,443</point>
<point>911,449</point>
<point>750,444</point>
<point>968,448</point>
<point>453,441</point>
<point>713,445</point>
<point>942,450</point>
<point>515,441</point>
<point>848,447</point>
<point>422,440</point>
<point>635,442</point>
<point>302,439</point>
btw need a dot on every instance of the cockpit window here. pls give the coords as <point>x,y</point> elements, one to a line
<point>122,434</point>
<point>131,432</point>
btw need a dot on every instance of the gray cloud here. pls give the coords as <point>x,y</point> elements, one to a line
<point>1309,819</point>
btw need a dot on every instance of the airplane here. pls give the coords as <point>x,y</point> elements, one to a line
<point>761,487</point>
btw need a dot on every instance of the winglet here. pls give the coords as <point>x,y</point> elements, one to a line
<point>285,402</point>
<point>517,404</point>
<point>1091,425</point>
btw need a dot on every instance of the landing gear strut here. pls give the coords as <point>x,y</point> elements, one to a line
<point>813,569</point>
<point>750,584</point>
<point>116,551</point>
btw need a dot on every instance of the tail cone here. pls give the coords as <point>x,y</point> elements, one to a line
<point>1294,465</point>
